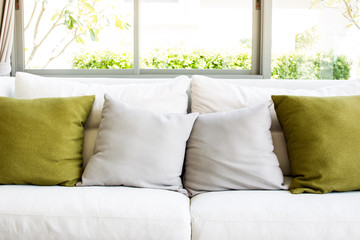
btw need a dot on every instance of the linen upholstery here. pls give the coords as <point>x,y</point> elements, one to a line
<point>7,86</point>
<point>322,137</point>
<point>231,151</point>
<point>139,148</point>
<point>36,212</point>
<point>160,96</point>
<point>218,95</point>
<point>275,215</point>
<point>92,213</point>
<point>41,140</point>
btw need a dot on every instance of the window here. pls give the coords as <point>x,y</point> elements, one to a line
<point>196,35</point>
<point>281,39</point>
<point>315,39</point>
<point>139,37</point>
<point>67,34</point>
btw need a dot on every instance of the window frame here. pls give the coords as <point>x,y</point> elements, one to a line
<point>261,52</point>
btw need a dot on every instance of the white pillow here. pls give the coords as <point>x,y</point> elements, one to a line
<point>232,151</point>
<point>216,95</point>
<point>219,95</point>
<point>162,97</point>
<point>139,148</point>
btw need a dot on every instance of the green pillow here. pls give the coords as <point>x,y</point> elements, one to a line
<point>41,140</point>
<point>323,141</point>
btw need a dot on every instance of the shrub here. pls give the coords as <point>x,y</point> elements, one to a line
<point>342,67</point>
<point>198,59</point>
<point>168,59</point>
<point>103,60</point>
<point>288,66</point>
<point>318,66</point>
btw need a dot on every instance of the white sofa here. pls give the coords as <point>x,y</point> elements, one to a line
<point>118,212</point>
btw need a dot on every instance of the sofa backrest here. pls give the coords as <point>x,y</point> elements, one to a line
<point>277,134</point>
<point>156,95</point>
<point>221,95</point>
<point>7,86</point>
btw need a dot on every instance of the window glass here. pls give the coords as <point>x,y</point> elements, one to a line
<point>196,34</point>
<point>78,34</point>
<point>139,35</point>
<point>315,39</point>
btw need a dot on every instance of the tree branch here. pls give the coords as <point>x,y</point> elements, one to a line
<point>38,21</point>
<point>349,16</point>
<point>57,45</point>
<point>31,17</point>
<point>62,50</point>
<point>37,45</point>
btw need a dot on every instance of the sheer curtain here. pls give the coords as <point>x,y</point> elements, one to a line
<point>7,15</point>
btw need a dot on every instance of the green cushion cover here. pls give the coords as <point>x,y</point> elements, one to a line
<point>323,141</point>
<point>41,140</point>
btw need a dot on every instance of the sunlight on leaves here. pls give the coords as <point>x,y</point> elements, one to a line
<point>88,6</point>
<point>54,16</point>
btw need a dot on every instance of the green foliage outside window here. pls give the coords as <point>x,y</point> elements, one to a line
<point>168,59</point>
<point>288,66</point>
<point>79,17</point>
<point>198,59</point>
<point>307,40</point>
<point>318,66</point>
<point>103,60</point>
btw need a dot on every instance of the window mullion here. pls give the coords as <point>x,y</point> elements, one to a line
<point>266,13</point>
<point>18,63</point>
<point>256,36</point>
<point>136,37</point>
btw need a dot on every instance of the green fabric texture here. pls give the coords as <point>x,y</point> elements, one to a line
<point>323,141</point>
<point>41,140</point>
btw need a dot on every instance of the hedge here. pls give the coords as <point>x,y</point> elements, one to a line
<point>199,59</point>
<point>289,66</point>
<point>318,66</point>
<point>103,60</point>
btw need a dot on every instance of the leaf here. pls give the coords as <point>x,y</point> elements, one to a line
<point>80,40</point>
<point>94,19</point>
<point>119,23</point>
<point>70,23</point>
<point>92,35</point>
<point>54,16</point>
<point>127,25</point>
<point>88,6</point>
<point>315,3</point>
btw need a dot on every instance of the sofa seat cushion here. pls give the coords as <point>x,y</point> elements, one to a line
<point>37,212</point>
<point>275,215</point>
